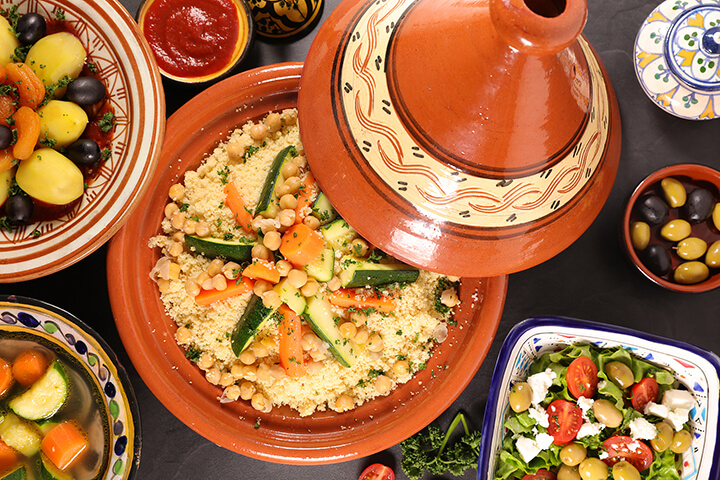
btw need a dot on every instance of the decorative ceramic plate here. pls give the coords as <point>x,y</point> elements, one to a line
<point>148,333</point>
<point>135,89</point>
<point>25,319</point>
<point>696,369</point>
<point>677,58</point>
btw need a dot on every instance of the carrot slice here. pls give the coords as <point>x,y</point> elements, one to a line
<point>64,444</point>
<point>7,109</point>
<point>349,297</point>
<point>27,122</point>
<point>8,457</point>
<point>236,204</point>
<point>301,244</point>
<point>30,88</point>
<point>6,378</point>
<point>206,297</point>
<point>7,160</point>
<point>308,190</point>
<point>290,342</point>
<point>29,366</point>
<point>261,270</point>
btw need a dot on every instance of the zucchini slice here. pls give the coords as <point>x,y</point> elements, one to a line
<point>214,247</point>
<point>359,273</point>
<point>323,209</point>
<point>338,234</point>
<point>291,296</point>
<point>20,434</point>
<point>322,268</point>
<point>251,321</point>
<point>19,473</point>
<point>48,470</point>
<point>320,317</point>
<point>45,397</point>
<point>274,178</point>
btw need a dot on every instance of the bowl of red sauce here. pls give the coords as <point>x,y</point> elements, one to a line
<point>197,41</point>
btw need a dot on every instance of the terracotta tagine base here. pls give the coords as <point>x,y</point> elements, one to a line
<point>472,138</point>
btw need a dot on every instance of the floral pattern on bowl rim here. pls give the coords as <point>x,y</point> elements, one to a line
<point>695,368</point>
<point>60,328</point>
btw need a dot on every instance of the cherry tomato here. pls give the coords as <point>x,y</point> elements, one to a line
<point>643,392</point>
<point>541,474</point>
<point>635,452</point>
<point>582,378</point>
<point>377,471</point>
<point>565,421</point>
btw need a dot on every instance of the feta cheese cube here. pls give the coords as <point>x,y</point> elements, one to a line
<point>642,429</point>
<point>677,418</point>
<point>539,415</point>
<point>674,399</point>
<point>544,440</point>
<point>589,429</point>
<point>657,410</point>
<point>540,383</point>
<point>585,404</point>
<point>528,448</point>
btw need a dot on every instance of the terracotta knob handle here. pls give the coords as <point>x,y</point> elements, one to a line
<point>538,27</point>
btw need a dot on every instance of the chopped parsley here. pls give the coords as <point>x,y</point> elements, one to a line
<point>5,224</point>
<point>224,174</point>
<point>443,284</point>
<point>192,354</point>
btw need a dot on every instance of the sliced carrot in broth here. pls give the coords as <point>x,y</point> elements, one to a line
<point>64,444</point>
<point>6,377</point>
<point>29,366</point>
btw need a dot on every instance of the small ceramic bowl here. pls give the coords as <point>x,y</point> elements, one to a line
<point>27,323</point>
<point>197,41</point>
<point>135,92</point>
<point>691,176</point>
<point>695,368</point>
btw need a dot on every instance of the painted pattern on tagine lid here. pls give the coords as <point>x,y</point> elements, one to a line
<point>677,58</point>
<point>468,137</point>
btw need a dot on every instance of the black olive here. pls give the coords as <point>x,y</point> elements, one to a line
<point>83,152</point>
<point>698,206</point>
<point>6,137</point>
<point>19,209</point>
<point>85,91</point>
<point>657,259</point>
<point>653,209</point>
<point>31,28</point>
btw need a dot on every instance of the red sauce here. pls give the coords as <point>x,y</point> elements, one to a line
<point>192,38</point>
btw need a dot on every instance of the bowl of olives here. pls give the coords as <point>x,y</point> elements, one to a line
<point>82,120</point>
<point>671,228</point>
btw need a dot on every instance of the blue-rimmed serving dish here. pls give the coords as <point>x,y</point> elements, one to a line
<point>73,341</point>
<point>695,368</point>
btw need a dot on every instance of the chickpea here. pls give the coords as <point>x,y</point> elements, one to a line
<point>289,117</point>
<point>567,472</point>
<point>572,454</point>
<point>237,370</point>
<point>607,413</point>
<point>235,151</point>
<point>192,288</point>
<point>344,403</point>
<point>247,357</point>
<point>281,190</point>
<point>174,271</point>
<point>260,403</point>
<point>297,278</point>
<point>289,169</point>
<point>175,249</point>
<point>287,217</point>
<point>382,384</point>
<point>289,200</point>
<point>664,437</point>
<point>272,240</point>
<point>249,372</point>
<point>449,297</point>
<point>177,221</point>
<point>247,390</point>
<point>277,372</point>
<point>283,267</point>
<point>401,367</point>
<point>358,318</point>
<point>232,392</point>
<point>261,252</point>
<point>178,237</point>
<point>300,161</point>
<point>261,286</point>
<point>374,343</point>
<point>293,184</point>
<point>624,470</point>
<point>593,469</point>
<point>170,209</point>
<point>681,441</point>
<point>620,374</point>
<point>312,222</point>
<point>520,397</point>
<point>359,247</point>
<point>263,372</point>
<point>212,375</point>
<point>273,121</point>
<point>271,299</point>
<point>226,379</point>
<point>202,278</point>
<point>258,131</point>
<point>177,192</point>
<point>310,341</point>
<point>334,284</point>
<point>361,337</point>
<point>163,285</point>
<point>310,288</point>
<point>189,226</point>
<point>205,361</point>
<point>231,270</point>
<point>347,330</point>
<point>215,267</point>
<point>183,335</point>
<point>313,367</point>
<point>260,351</point>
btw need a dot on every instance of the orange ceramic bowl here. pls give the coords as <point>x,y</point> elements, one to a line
<point>283,436</point>
<point>692,176</point>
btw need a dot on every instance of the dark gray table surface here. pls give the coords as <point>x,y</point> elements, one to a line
<point>591,279</point>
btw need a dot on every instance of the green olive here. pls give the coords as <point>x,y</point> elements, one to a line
<point>620,374</point>
<point>690,273</point>
<point>8,42</point>
<point>566,472</point>
<point>572,454</point>
<point>520,397</point>
<point>624,470</point>
<point>50,177</point>
<point>712,258</point>
<point>676,230</point>
<point>664,437</point>
<point>607,413</point>
<point>681,441</point>
<point>62,121</point>
<point>56,56</point>
<point>674,192</point>
<point>716,216</point>
<point>640,235</point>
<point>593,469</point>
<point>691,248</point>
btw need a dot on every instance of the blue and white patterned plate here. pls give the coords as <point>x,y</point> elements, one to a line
<point>695,368</point>
<point>677,58</point>
<point>28,319</point>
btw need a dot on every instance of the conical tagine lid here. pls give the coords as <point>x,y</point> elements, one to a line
<point>471,138</point>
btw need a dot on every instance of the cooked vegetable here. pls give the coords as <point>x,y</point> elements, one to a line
<point>308,189</point>
<point>322,268</point>
<point>251,321</point>
<point>301,245</point>
<point>291,296</point>
<point>339,234</point>
<point>51,177</point>
<point>274,179</point>
<point>214,247</point>
<point>64,444</point>
<point>323,209</point>
<point>48,471</point>
<point>28,367</point>
<point>8,457</point>
<point>237,205</point>
<point>8,41</point>
<point>361,299</point>
<point>377,471</point>
<point>62,122</point>
<point>19,473</point>
<point>20,434</point>
<point>290,342</point>
<point>262,270</point>
<point>56,56</point>
<point>6,378</point>
<point>238,287</point>
<point>361,273</point>
<point>322,321</point>
<point>45,397</point>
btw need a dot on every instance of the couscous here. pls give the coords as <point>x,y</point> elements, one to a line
<point>276,298</point>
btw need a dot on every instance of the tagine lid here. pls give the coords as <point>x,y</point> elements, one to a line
<point>677,58</point>
<point>455,134</point>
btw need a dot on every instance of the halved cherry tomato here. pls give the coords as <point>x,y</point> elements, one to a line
<point>541,474</point>
<point>377,471</point>
<point>635,452</point>
<point>582,378</point>
<point>565,421</point>
<point>643,392</point>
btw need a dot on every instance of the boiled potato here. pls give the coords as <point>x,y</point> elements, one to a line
<point>8,41</point>
<point>62,121</point>
<point>50,177</point>
<point>5,179</point>
<point>56,56</point>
